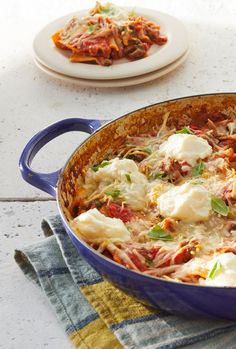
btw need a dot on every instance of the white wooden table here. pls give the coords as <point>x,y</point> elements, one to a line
<point>30,101</point>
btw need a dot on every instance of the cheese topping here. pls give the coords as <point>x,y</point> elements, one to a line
<point>178,212</point>
<point>226,273</point>
<point>117,169</point>
<point>190,203</point>
<point>156,189</point>
<point>196,266</point>
<point>124,175</point>
<point>93,226</point>
<point>119,15</point>
<point>186,147</point>
<point>214,164</point>
<point>231,127</point>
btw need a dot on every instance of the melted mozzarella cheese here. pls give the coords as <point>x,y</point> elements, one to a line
<point>156,188</point>
<point>119,15</point>
<point>190,203</point>
<point>226,275</point>
<point>117,169</point>
<point>185,147</point>
<point>214,164</point>
<point>217,185</point>
<point>134,195</point>
<point>94,226</point>
<point>132,191</point>
<point>196,266</point>
<point>70,30</point>
<point>231,126</point>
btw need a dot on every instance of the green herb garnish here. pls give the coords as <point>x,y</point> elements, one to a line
<point>95,168</point>
<point>157,233</point>
<point>185,130</point>
<point>198,170</point>
<point>196,182</point>
<point>97,203</point>
<point>91,28</point>
<point>219,206</point>
<point>148,262</point>
<point>214,270</point>
<point>132,13</point>
<point>157,175</point>
<point>109,11</point>
<point>147,150</point>
<point>113,193</point>
<point>128,177</point>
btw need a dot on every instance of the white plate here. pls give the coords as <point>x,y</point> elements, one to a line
<point>159,56</point>
<point>117,82</point>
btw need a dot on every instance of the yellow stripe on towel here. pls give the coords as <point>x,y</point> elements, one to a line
<point>95,335</point>
<point>112,304</point>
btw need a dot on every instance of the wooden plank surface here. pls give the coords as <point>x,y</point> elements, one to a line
<point>30,100</point>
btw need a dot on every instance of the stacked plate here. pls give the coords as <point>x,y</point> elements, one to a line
<point>160,60</point>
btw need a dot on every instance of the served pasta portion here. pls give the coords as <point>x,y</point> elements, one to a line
<point>164,203</point>
<point>106,34</point>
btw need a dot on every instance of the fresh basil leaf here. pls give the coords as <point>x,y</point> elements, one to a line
<point>219,206</point>
<point>185,130</point>
<point>198,170</point>
<point>95,168</point>
<point>113,193</point>
<point>214,270</point>
<point>157,233</point>
<point>157,175</point>
<point>128,177</point>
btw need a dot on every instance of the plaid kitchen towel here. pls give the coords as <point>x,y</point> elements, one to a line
<point>97,315</point>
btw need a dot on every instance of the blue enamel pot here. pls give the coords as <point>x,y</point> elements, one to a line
<point>179,298</point>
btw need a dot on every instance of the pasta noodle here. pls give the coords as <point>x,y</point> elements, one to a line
<point>108,33</point>
<point>174,190</point>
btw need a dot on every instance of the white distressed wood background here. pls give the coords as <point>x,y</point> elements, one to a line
<point>29,101</point>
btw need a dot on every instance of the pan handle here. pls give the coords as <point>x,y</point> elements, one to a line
<point>48,181</point>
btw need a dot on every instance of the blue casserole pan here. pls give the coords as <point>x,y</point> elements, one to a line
<point>178,298</point>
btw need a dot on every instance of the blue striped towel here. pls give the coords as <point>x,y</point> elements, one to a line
<point>97,315</point>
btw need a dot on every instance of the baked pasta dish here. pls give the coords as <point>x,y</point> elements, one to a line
<point>106,34</point>
<point>163,203</point>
